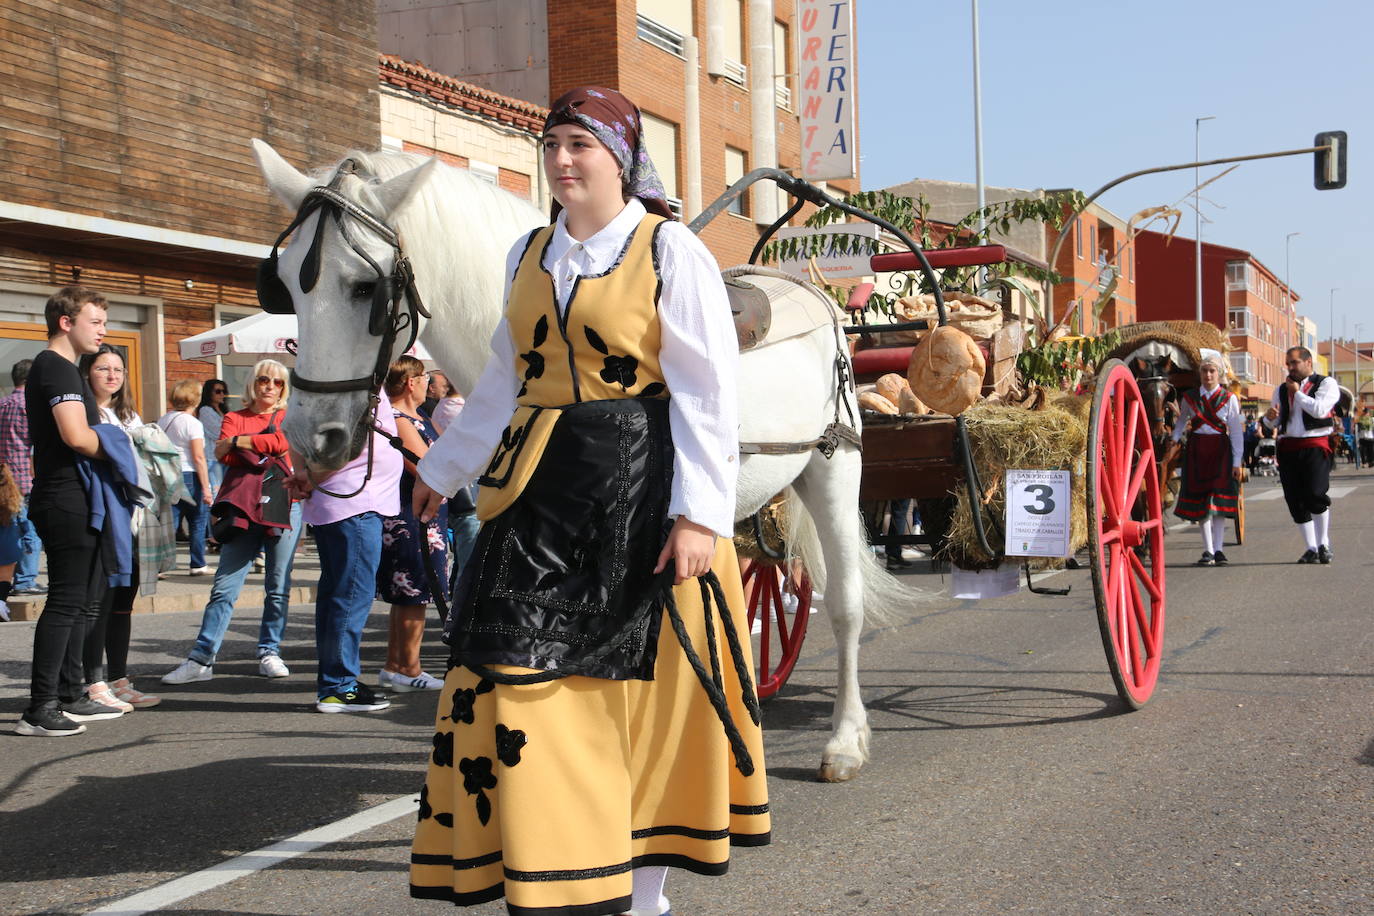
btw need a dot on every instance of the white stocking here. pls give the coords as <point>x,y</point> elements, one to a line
<point>1309,534</point>
<point>1206,525</point>
<point>648,891</point>
<point>1322,523</point>
<point>1218,531</point>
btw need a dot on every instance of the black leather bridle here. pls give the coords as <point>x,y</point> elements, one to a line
<point>396,304</point>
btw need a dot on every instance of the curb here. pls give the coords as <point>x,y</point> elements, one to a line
<point>29,607</point>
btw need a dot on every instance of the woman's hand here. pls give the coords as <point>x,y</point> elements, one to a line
<point>691,547</point>
<point>425,501</point>
<point>1238,472</point>
<point>299,484</point>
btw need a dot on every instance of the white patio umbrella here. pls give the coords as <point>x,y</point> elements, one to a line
<point>256,335</point>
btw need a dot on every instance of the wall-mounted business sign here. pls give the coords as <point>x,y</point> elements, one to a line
<point>825,64</point>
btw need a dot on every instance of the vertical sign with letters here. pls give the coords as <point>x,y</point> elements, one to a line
<point>825,63</point>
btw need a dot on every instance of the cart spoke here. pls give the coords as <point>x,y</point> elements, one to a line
<point>1130,606</point>
<point>1145,578</point>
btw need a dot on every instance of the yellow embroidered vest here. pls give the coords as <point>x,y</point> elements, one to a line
<point>604,346</point>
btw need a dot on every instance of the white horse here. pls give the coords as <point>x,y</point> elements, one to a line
<point>456,230</point>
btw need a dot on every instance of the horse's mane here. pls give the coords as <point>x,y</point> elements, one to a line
<point>457,230</point>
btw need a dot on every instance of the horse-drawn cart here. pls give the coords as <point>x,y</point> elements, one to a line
<point>928,457</point>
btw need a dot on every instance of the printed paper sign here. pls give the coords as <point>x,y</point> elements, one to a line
<point>1038,513</point>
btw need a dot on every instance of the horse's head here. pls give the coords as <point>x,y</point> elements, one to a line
<point>1152,376</point>
<point>344,248</point>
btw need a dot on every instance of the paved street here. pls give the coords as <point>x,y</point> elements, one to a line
<point>1005,777</point>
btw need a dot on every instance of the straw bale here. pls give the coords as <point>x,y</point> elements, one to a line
<point>1003,438</point>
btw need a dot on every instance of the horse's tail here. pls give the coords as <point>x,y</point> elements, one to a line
<point>886,599</point>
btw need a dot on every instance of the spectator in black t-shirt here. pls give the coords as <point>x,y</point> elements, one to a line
<point>61,411</point>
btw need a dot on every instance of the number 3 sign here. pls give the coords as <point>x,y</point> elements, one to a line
<point>1038,513</point>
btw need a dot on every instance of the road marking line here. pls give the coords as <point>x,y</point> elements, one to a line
<point>179,889</point>
<point>1179,526</point>
<point>1277,493</point>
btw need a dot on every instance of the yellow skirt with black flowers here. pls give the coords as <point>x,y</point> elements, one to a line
<point>549,794</point>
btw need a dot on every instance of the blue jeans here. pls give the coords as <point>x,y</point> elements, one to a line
<point>26,572</point>
<point>235,559</point>
<point>349,553</point>
<point>216,476</point>
<point>197,514</point>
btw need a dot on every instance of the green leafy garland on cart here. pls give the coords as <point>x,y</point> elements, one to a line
<point>1057,364</point>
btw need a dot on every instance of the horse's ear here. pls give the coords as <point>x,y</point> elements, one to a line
<point>393,193</point>
<point>283,179</point>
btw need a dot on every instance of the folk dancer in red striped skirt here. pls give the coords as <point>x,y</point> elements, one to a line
<point>1301,412</point>
<point>1212,465</point>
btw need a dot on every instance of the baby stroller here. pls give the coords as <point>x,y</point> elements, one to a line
<point>1266,458</point>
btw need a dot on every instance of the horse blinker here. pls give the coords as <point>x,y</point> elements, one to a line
<point>273,295</point>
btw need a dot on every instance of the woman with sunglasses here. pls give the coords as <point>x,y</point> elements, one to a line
<point>211,411</point>
<point>247,437</point>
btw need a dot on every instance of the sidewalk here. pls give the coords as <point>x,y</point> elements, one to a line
<point>182,592</point>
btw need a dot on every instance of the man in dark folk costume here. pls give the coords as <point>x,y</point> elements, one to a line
<point>1301,412</point>
<point>1212,466</point>
<point>598,722</point>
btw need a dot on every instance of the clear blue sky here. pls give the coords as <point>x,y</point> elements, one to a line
<point>1076,93</point>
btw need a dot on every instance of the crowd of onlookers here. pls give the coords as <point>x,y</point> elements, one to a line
<point>104,495</point>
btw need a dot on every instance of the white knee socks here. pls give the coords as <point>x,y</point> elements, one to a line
<point>648,897</point>
<point>1322,524</point>
<point>1218,523</point>
<point>1309,534</point>
<point>1206,525</point>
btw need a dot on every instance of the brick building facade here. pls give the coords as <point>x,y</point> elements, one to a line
<point>125,145</point>
<point>1097,253</point>
<point>653,51</point>
<point>1239,293</point>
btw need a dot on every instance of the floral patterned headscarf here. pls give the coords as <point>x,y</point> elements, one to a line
<point>614,120</point>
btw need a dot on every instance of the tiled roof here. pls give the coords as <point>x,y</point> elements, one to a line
<point>419,79</point>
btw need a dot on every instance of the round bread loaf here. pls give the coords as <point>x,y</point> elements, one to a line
<point>871,400</point>
<point>890,386</point>
<point>908,404</point>
<point>946,370</point>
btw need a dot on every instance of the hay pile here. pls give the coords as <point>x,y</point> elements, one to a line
<point>1004,438</point>
<point>773,518</point>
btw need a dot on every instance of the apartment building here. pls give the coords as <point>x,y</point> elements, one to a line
<point>1097,261</point>
<point>1352,366</point>
<point>1239,293</point>
<point>715,79</point>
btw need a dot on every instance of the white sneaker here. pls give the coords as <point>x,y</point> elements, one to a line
<point>273,666</point>
<point>789,603</point>
<point>189,672</point>
<point>4,612</point>
<point>402,684</point>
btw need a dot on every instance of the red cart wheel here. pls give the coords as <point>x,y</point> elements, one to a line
<point>1126,534</point>
<point>779,630</point>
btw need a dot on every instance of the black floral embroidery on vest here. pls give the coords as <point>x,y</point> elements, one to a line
<point>535,359</point>
<point>477,777</point>
<point>509,741</point>
<point>464,700</point>
<point>443,749</point>
<point>618,369</point>
<point>653,390</point>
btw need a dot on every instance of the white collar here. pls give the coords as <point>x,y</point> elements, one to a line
<point>602,247</point>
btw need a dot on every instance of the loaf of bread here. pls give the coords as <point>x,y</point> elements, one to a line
<point>908,404</point>
<point>871,400</point>
<point>891,386</point>
<point>946,370</point>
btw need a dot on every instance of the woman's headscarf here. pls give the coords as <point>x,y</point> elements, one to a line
<point>614,120</point>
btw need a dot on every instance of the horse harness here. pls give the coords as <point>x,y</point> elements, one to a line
<point>386,319</point>
<point>396,303</point>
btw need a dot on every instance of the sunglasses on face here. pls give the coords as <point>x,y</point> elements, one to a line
<point>220,391</point>
<point>276,382</point>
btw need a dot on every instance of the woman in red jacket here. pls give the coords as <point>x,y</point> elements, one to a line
<point>247,437</point>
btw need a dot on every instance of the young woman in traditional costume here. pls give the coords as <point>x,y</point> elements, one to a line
<point>599,721</point>
<point>1212,466</point>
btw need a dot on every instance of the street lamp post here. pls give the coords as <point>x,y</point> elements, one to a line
<point>1197,210</point>
<point>1332,367</point>
<point>1288,317</point>
<point>1355,407</point>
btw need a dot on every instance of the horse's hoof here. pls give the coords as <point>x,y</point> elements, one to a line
<point>839,769</point>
